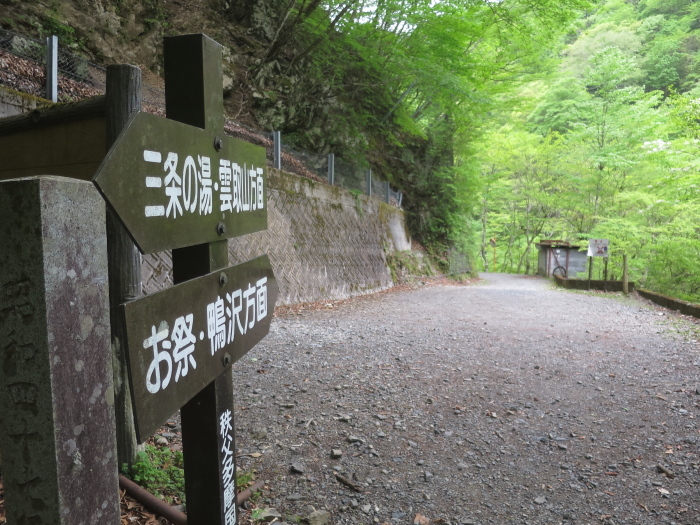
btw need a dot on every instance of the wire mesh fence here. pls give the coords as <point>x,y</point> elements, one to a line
<point>22,46</point>
<point>23,62</point>
<point>351,173</point>
<point>458,261</point>
<point>314,162</point>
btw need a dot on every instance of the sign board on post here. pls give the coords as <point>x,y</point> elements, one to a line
<point>175,185</point>
<point>180,339</point>
<point>180,184</point>
<point>598,247</point>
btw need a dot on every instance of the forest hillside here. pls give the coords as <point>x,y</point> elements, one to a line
<point>603,144</point>
<point>503,122</point>
<point>398,86</point>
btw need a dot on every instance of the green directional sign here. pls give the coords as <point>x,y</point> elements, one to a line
<point>173,185</point>
<point>180,339</point>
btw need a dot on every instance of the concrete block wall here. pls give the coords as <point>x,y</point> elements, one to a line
<point>14,103</point>
<point>596,284</point>
<point>683,307</point>
<point>324,242</point>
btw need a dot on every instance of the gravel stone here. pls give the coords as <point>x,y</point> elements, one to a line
<point>615,377</point>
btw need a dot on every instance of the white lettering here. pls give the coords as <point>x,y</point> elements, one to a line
<point>173,184</point>
<point>228,467</point>
<point>155,211</point>
<point>184,341</point>
<point>261,298</point>
<point>152,156</point>
<point>205,196</point>
<point>216,325</point>
<point>190,188</point>
<point>261,200</point>
<point>153,377</point>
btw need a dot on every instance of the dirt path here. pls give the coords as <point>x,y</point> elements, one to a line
<point>506,401</point>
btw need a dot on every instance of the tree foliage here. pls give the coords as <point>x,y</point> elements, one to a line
<point>412,80</point>
<point>608,150</point>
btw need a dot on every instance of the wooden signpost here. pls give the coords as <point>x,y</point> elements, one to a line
<point>173,184</point>
<point>179,183</point>
<point>181,339</point>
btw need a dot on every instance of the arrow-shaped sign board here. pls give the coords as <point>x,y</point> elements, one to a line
<point>180,339</point>
<point>174,185</point>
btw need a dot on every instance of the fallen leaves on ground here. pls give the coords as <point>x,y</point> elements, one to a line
<point>134,513</point>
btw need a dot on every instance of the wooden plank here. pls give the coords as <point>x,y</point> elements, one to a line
<point>175,185</point>
<point>72,149</point>
<point>180,339</point>
<point>123,98</point>
<point>193,77</point>
<point>54,114</point>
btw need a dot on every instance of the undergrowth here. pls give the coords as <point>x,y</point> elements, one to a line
<point>160,471</point>
<point>405,265</point>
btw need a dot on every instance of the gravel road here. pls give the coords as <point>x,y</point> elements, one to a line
<point>505,401</point>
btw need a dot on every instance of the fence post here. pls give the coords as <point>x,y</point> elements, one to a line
<point>52,68</point>
<point>331,169</point>
<point>369,182</point>
<point>400,198</point>
<point>277,149</point>
<point>57,435</point>
<point>123,97</point>
<point>388,191</point>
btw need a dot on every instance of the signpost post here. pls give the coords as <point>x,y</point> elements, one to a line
<point>179,183</point>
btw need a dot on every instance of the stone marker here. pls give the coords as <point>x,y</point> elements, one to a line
<point>57,434</point>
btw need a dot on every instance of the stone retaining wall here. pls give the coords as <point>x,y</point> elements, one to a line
<point>683,307</point>
<point>324,242</point>
<point>15,103</point>
<point>596,284</point>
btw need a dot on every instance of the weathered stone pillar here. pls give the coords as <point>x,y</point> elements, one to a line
<point>57,432</point>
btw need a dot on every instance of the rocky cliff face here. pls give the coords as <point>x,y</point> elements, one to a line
<point>273,79</point>
<point>104,30</point>
<point>266,86</point>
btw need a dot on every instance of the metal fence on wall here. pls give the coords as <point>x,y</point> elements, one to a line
<point>23,67</point>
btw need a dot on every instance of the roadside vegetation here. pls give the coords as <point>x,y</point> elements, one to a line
<point>604,145</point>
<point>506,121</point>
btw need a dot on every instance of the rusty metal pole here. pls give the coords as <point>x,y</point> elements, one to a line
<point>169,512</point>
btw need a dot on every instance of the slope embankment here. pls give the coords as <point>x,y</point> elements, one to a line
<point>324,242</point>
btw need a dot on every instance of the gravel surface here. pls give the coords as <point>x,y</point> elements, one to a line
<point>506,401</point>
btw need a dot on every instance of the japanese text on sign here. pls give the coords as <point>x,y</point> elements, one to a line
<point>598,247</point>
<point>228,467</point>
<point>238,311</point>
<point>193,188</point>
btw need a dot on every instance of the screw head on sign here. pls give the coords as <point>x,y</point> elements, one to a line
<point>217,144</point>
<point>227,359</point>
<point>223,280</point>
<point>221,228</point>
